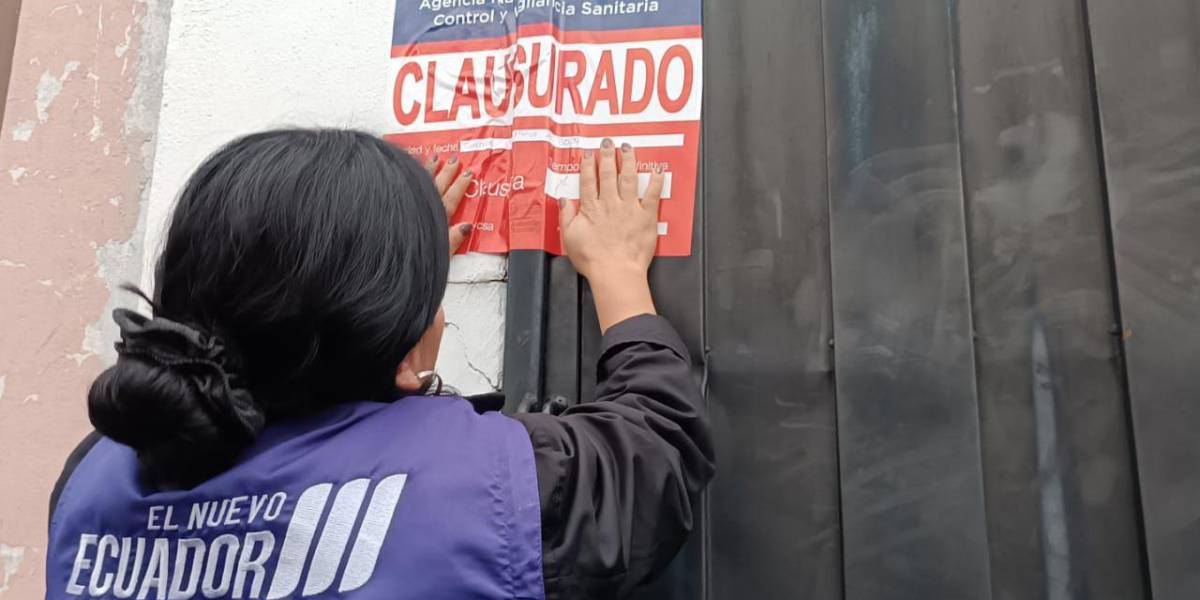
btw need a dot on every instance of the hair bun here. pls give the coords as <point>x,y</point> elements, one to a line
<point>176,396</point>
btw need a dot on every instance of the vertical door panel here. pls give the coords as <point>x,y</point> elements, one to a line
<point>525,325</point>
<point>1147,67</point>
<point>589,342</point>
<point>1062,517</point>
<point>912,495</point>
<point>562,333</point>
<point>773,527</point>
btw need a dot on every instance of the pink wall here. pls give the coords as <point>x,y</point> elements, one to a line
<point>73,167</point>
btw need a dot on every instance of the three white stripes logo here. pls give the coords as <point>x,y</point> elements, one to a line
<point>331,547</point>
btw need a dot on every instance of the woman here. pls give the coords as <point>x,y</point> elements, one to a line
<point>275,430</point>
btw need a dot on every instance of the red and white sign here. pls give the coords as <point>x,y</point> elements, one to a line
<point>518,107</point>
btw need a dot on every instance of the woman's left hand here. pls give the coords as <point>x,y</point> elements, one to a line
<point>452,186</point>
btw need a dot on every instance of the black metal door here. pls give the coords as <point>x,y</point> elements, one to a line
<point>944,301</point>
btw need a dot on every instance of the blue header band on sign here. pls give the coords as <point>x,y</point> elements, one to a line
<point>445,20</point>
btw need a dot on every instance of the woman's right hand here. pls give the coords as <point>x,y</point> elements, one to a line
<point>452,186</point>
<point>610,233</point>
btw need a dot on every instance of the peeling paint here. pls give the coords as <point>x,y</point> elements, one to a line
<point>49,87</point>
<point>95,79</point>
<point>97,129</point>
<point>114,261</point>
<point>64,201</point>
<point>120,262</point>
<point>123,47</point>
<point>3,384</point>
<point>61,7</point>
<point>79,357</point>
<point>10,562</point>
<point>21,132</point>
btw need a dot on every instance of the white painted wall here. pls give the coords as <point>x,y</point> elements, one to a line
<point>238,66</point>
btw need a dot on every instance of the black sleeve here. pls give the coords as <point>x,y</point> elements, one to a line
<point>73,461</point>
<point>617,477</point>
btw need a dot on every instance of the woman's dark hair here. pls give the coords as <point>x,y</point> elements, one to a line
<point>299,269</point>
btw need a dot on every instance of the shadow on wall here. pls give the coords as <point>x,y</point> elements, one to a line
<point>9,10</point>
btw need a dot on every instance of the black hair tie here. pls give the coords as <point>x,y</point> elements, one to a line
<point>203,359</point>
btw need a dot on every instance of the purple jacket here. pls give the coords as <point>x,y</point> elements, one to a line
<point>420,499</point>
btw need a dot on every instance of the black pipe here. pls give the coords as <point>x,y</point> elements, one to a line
<point>525,330</point>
